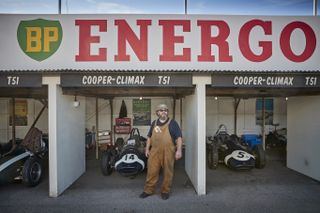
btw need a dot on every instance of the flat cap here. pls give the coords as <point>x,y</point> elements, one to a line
<point>162,107</point>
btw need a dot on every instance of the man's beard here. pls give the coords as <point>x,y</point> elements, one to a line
<point>163,118</point>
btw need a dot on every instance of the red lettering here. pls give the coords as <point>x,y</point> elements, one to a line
<point>285,44</point>
<point>139,46</point>
<point>169,40</point>
<point>244,38</point>
<point>254,40</point>
<point>220,40</point>
<point>85,40</point>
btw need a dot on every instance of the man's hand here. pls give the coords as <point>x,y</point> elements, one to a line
<point>178,154</point>
<point>147,153</point>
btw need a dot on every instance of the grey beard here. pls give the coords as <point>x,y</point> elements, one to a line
<point>163,119</point>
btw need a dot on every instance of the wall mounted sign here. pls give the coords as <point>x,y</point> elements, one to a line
<point>122,126</point>
<point>141,110</point>
<point>268,111</point>
<point>266,80</point>
<point>126,80</point>
<point>20,80</point>
<point>39,39</point>
<point>157,42</point>
<point>21,113</point>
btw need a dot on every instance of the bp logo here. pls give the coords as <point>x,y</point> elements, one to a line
<point>39,39</point>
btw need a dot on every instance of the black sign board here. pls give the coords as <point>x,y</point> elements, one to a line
<point>126,80</point>
<point>20,80</point>
<point>303,80</point>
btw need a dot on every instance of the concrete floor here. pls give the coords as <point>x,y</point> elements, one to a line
<point>272,189</point>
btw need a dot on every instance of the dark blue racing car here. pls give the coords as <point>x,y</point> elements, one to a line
<point>24,159</point>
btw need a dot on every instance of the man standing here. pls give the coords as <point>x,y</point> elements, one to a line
<point>165,141</point>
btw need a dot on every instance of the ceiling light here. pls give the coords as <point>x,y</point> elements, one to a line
<point>76,103</point>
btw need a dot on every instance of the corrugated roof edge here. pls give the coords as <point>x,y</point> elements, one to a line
<point>58,71</point>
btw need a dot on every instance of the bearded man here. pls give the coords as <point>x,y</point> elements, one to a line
<point>164,146</point>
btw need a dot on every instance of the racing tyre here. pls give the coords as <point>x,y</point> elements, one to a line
<point>212,156</point>
<point>32,171</point>
<point>106,163</point>
<point>260,156</point>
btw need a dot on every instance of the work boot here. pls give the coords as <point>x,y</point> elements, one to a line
<point>164,196</point>
<point>144,195</point>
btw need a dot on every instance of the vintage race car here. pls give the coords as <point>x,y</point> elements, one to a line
<point>235,152</point>
<point>25,159</point>
<point>127,158</point>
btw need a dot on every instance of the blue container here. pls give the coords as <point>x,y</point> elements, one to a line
<point>251,139</point>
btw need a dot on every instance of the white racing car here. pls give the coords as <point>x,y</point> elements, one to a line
<point>235,152</point>
<point>127,158</point>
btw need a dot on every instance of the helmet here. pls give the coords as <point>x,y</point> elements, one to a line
<point>162,106</point>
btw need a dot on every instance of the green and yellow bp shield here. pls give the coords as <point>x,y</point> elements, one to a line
<point>39,38</point>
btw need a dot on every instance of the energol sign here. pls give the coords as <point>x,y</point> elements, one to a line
<point>139,43</point>
<point>160,42</point>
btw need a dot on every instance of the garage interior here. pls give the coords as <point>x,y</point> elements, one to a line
<point>36,99</point>
<point>284,100</point>
<point>172,96</point>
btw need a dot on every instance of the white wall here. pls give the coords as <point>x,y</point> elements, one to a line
<point>66,137</point>
<point>303,135</point>
<point>34,107</point>
<point>70,140</point>
<point>221,111</point>
<point>104,113</point>
<point>190,136</point>
<point>194,124</point>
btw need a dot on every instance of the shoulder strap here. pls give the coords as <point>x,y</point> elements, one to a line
<point>153,124</point>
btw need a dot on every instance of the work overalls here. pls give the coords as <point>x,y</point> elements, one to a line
<point>162,155</point>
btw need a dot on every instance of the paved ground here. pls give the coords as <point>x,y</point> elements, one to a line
<point>272,189</point>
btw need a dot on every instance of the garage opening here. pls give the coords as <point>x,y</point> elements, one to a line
<point>23,130</point>
<point>243,118</point>
<point>108,127</point>
<point>255,113</point>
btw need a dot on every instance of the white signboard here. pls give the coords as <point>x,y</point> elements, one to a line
<point>159,42</point>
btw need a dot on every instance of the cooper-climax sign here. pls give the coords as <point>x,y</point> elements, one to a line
<point>266,80</point>
<point>125,80</point>
<point>159,42</point>
<point>113,80</point>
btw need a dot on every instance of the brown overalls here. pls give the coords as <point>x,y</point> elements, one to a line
<point>162,155</point>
